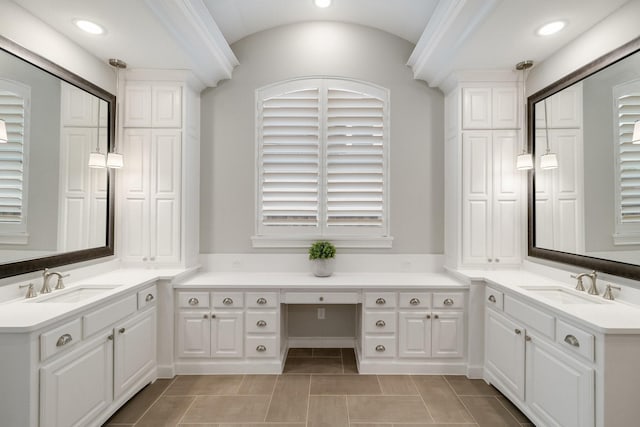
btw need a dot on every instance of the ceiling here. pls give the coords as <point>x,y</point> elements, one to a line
<point>494,34</point>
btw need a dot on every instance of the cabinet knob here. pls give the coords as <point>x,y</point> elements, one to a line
<point>261,323</point>
<point>428,316</point>
<point>489,260</point>
<point>497,259</point>
<point>144,259</point>
<point>213,316</point>
<point>381,301</point>
<point>527,338</point>
<point>149,297</point>
<point>518,331</point>
<point>227,301</point>
<point>261,348</point>
<point>492,298</point>
<point>122,330</point>
<point>448,301</point>
<point>206,316</point>
<point>321,298</point>
<point>261,301</point>
<point>152,258</point>
<point>572,340</point>
<point>64,340</point>
<point>380,324</point>
<point>435,316</point>
<point>110,337</point>
<point>414,301</point>
<point>380,348</point>
<point>194,301</point>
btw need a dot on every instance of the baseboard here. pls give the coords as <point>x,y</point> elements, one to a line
<point>402,367</point>
<point>475,372</point>
<point>321,342</point>
<point>273,366</point>
<point>166,371</point>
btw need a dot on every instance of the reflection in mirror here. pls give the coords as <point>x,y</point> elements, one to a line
<point>590,204</point>
<point>54,209</point>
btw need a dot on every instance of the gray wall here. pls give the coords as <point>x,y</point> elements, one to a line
<point>322,49</point>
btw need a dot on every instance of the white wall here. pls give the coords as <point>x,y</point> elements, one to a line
<point>321,49</point>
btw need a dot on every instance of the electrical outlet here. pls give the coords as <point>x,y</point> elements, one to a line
<point>321,314</point>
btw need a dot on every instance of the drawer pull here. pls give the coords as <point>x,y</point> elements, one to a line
<point>227,301</point>
<point>380,348</point>
<point>572,340</point>
<point>518,331</point>
<point>381,301</point>
<point>194,301</point>
<point>381,324</point>
<point>448,301</point>
<point>492,298</point>
<point>261,301</point>
<point>149,297</point>
<point>64,340</point>
<point>414,301</point>
<point>122,330</point>
<point>261,348</point>
<point>261,323</point>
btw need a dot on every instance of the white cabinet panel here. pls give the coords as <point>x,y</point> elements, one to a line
<point>447,334</point>
<point>504,352</point>
<point>476,111</point>
<point>136,149</point>
<point>565,108</point>
<point>137,105</point>
<point>414,335</point>
<point>227,334</point>
<point>166,110</point>
<point>79,108</point>
<point>504,107</point>
<point>194,334</point>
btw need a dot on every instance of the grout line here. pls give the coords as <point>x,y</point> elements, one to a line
<point>152,403</point>
<point>308,401</point>
<point>273,391</point>
<point>508,411</point>
<point>422,398</point>
<point>185,412</point>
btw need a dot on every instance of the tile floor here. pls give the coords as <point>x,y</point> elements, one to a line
<point>319,387</point>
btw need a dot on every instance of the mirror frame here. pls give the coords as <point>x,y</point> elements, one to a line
<point>617,268</point>
<point>64,258</point>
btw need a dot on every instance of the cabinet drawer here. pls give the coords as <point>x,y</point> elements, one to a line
<point>262,346</point>
<point>60,338</point>
<point>379,346</point>
<point>321,297</point>
<point>448,300</point>
<point>539,320</point>
<point>109,314</point>
<point>380,321</point>
<point>415,299</point>
<point>380,299</point>
<point>261,321</point>
<point>576,340</point>
<point>494,298</point>
<point>193,299</point>
<point>261,299</point>
<point>227,300</point>
<point>147,297</point>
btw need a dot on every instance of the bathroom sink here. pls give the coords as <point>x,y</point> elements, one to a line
<point>75,294</point>
<point>563,296</point>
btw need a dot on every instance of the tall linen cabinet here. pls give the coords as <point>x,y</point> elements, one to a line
<point>159,183</point>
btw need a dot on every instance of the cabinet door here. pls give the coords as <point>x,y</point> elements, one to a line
<point>504,352</point>
<point>476,197</point>
<point>165,196</point>
<point>79,108</point>
<point>414,334</point>
<point>166,106</point>
<point>565,108</point>
<point>227,334</point>
<point>194,334</point>
<point>476,108</point>
<point>134,351</point>
<point>76,388</point>
<point>560,389</point>
<point>504,102</point>
<point>506,198</point>
<point>447,334</point>
<point>137,105</point>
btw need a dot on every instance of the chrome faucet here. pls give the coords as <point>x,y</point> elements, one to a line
<point>593,290</point>
<point>608,293</point>
<point>46,276</point>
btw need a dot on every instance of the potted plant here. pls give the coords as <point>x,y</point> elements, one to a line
<point>322,253</point>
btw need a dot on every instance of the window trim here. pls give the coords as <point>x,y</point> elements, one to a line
<point>297,237</point>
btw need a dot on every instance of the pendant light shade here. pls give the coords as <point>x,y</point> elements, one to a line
<point>524,161</point>
<point>548,161</point>
<point>97,160</point>
<point>3,132</point>
<point>635,139</point>
<point>115,160</point>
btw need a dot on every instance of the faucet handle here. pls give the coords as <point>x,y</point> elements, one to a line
<point>579,285</point>
<point>31,293</point>
<point>60,283</point>
<point>608,293</point>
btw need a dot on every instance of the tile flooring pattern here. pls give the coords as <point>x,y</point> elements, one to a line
<point>319,388</point>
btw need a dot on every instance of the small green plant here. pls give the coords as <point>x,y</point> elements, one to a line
<point>322,250</point>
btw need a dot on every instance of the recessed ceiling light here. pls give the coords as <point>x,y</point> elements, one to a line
<point>322,3</point>
<point>88,26</point>
<point>551,28</point>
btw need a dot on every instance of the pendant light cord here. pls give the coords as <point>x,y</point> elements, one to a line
<point>98,129</point>
<point>546,126</point>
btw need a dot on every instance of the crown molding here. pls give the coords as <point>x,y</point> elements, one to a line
<point>190,22</point>
<point>451,25</point>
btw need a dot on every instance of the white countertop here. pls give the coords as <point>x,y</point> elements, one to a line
<point>611,317</point>
<point>336,281</point>
<point>25,315</point>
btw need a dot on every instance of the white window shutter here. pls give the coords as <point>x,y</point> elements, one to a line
<point>12,107</point>
<point>629,158</point>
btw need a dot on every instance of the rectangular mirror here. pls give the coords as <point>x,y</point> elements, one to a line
<point>54,208</point>
<point>586,210</point>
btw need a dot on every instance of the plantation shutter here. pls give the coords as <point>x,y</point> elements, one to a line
<point>12,111</point>
<point>354,159</point>
<point>290,158</point>
<point>629,158</point>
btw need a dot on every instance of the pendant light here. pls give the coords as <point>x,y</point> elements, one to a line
<point>115,160</point>
<point>3,132</point>
<point>548,160</point>
<point>96,158</point>
<point>635,139</point>
<point>525,160</point>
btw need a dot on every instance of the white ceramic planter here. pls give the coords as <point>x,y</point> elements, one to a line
<point>323,267</point>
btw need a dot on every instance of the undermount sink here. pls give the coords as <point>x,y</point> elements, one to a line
<point>75,294</point>
<point>563,296</point>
